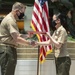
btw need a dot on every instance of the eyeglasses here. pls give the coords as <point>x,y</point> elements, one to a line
<point>21,11</point>
<point>55,20</point>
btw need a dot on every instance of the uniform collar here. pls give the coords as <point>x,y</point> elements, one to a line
<point>58,30</point>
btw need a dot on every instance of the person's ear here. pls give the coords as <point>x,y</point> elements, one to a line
<point>17,11</point>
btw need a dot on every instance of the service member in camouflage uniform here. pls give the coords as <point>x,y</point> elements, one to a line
<point>59,42</point>
<point>10,38</point>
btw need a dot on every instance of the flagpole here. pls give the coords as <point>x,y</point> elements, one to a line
<point>38,64</point>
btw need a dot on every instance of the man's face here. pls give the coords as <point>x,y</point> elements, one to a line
<point>21,16</point>
<point>21,13</point>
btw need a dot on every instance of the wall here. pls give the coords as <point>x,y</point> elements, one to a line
<point>28,18</point>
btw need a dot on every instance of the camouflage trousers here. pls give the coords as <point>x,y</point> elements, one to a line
<point>62,65</point>
<point>8,60</point>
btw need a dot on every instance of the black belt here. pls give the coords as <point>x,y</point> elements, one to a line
<point>7,45</point>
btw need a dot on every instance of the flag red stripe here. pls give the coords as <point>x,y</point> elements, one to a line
<point>40,22</point>
<point>36,29</point>
<point>46,10</point>
<point>36,16</point>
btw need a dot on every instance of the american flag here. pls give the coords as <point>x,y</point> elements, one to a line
<point>40,23</point>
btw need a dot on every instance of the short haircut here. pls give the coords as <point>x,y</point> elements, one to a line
<point>18,6</point>
<point>62,18</point>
